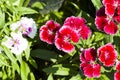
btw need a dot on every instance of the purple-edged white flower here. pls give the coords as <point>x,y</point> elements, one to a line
<point>16,43</point>
<point>26,26</point>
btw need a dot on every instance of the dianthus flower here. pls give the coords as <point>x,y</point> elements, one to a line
<point>78,24</point>
<point>64,39</point>
<point>91,70</point>
<point>47,32</point>
<point>107,54</point>
<point>112,7</point>
<point>88,55</point>
<point>26,26</point>
<point>16,43</point>
<point>106,23</point>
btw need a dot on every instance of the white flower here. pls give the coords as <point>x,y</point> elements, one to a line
<point>26,25</point>
<point>16,43</point>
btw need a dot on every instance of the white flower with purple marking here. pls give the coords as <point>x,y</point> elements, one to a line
<point>16,43</point>
<point>26,26</point>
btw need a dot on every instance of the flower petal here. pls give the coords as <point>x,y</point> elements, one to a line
<point>111,28</point>
<point>117,76</point>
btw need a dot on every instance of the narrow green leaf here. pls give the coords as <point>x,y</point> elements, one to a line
<point>33,63</point>
<point>24,70</point>
<point>9,54</point>
<point>57,70</point>
<point>50,77</point>
<point>27,51</point>
<point>2,19</point>
<point>76,77</point>
<point>45,55</point>
<point>97,3</point>
<point>39,5</point>
<point>24,10</point>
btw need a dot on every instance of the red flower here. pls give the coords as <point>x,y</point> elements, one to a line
<point>64,38</point>
<point>111,6</point>
<point>106,23</point>
<point>88,55</point>
<point>117,76</point>
<point>78,24</point>
<point>118,66</point>
<point>90,70</point>
<point>47,31</point>
<point>107,54</point>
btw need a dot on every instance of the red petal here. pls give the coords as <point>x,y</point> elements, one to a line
<point>108,1</point>
<point>70,33</point>
<point>110,9</point>
<point>117,18</point>
<point>88,55</point>
<point>117,76</point>
<point>74,22</point>
<point>85,32</point>
<point>67,47</point>
<point>118,65</point>
<point>100,22</point>
<point>53,26</point>
<point>45,35</point>
<point>88,71</point>
<point>111,28</point>
<point>96,70</point>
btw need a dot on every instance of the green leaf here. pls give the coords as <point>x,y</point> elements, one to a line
<point>9,54</point>
<point>98,36</point>
<point>97,3</point>
<point>24,70</point>
<point>27,52</point>
<point>24,10</point>
<point>45,55</point>
<point>51,5</point>
<point>31,76</point>
<point>33,63</point>
<point>57,70</point>
<point>2,19</point>
<point>76,77</point>
<point>50,77</point>
<point>39,5</point>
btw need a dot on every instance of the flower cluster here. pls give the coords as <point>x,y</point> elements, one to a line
<point>16,42</point>
<point>64,37</point>
<point>108,16</point>
<point>106,54</point>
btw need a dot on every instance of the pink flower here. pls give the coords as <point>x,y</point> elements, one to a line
<point>107,54</point>
<point>106,23</point>
<point>91,70</point>
<point>64,39</point>
<point>78,24</point>
<point>118,66</point>
<point>47,31</point>
<point>88,55</point>
<point>117,76</point>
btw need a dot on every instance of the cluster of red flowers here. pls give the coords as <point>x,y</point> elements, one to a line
<point>108,16</point>
<point>106,55</point>
<point>64,37</point>
<point>73,28</point>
